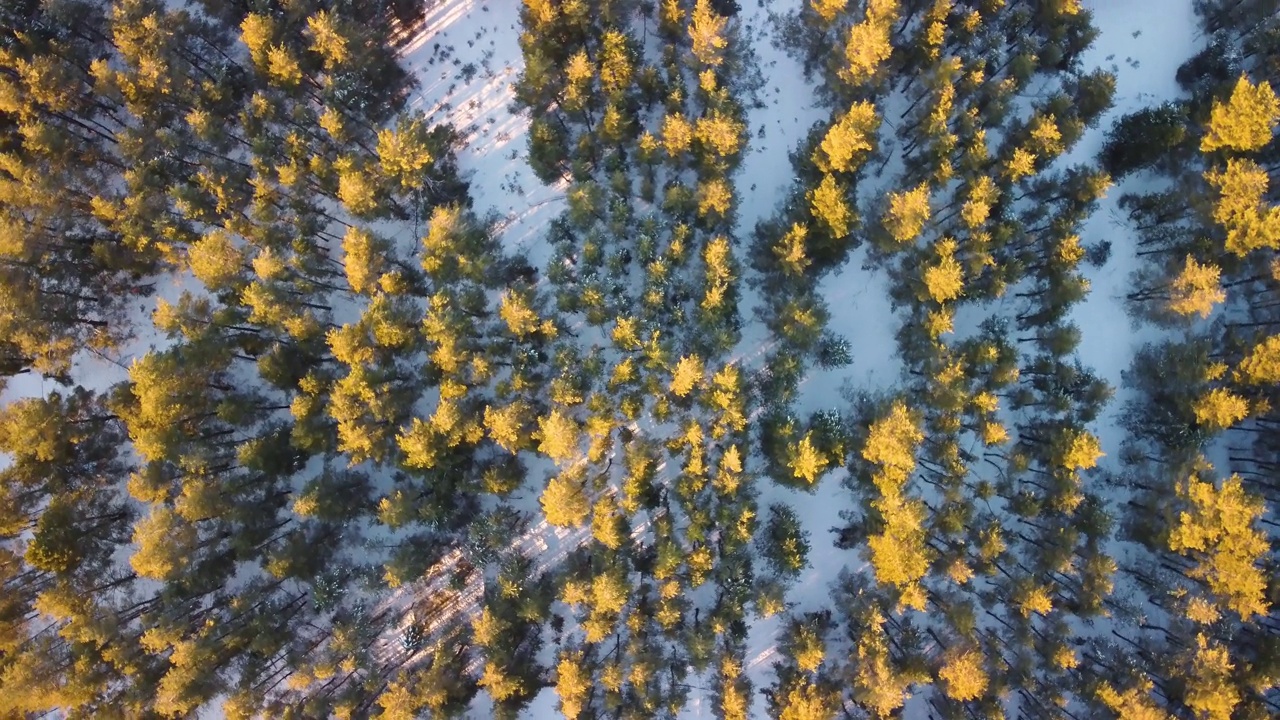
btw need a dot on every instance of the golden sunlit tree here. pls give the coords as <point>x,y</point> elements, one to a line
<point>1240,208</point>
<point>573,684</point>
<point>807,701</point>
<point>558,436</point>
<point>944,280</point>
<point>1211,690</point>
<point>790,250</point>
<point>1262,365</point>
<point>564,500</point>
<point>963,675</point>
<point>899,554</point>
<point>1220,408</point>
<point>1196,289</point>
<point>706,31</point>
<point>849,140</point>
<point>686,376</point>
<point>807,461</point>
<point>677,134</point>
<point>828,10</point>
<point>829,207</point>
<point>869,44</point>
<point>1134,703</point>
<point>1246,122</point>
<point>328,39</point>
<point>907,213</point>
<point>1217,530</point>
<point>507,425</point>
<point>719,134</point>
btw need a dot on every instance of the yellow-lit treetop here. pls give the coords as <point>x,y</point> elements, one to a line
<point>1217,529</point>
<point>1246,122</point>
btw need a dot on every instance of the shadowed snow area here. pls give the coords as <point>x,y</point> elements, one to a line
<point>1143,43</point>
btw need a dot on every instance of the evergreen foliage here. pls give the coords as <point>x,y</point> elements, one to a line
<point>360,459</point>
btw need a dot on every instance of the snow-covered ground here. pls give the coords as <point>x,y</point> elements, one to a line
<point>466,57</point>
<point>1143,43</point>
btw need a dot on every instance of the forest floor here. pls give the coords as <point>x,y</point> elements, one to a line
<point>466,57</point>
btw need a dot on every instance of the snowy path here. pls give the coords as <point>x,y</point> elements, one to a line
<point>1144,49</point>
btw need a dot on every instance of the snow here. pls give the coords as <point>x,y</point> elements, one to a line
<point>475,35</point>
<point>1144,49</point>
<point>1144,41</point>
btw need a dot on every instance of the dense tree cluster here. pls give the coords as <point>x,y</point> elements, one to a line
<point>1201,452</point>
<point>353,418</point>
<point>261,154</point>
<point>987,545</point>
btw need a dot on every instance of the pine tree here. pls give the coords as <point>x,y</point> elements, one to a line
<point>877,684</point>
<point>1220,408</point>
<point>499,683</point>
<point>539,12</point>
<point>283,68</point>
<point>1021,164</point>
<point>608,525</point>
<point>564,501</point>
<point>850,138</point>
<point>686,376</point>
<point>573,684</point>
<point>507,425</point>
<point>945,280</point>
<point>1133,704</point>
<point>907,213</point>
<point>898,552</point>
<point>364,258</point>
<point>784,543</point>
<point>406,153</point>
<point>357,188</point>
<point>328,39</point>
<point>963,676</point>
<point>827,202</point>
<point>719,134</point>
<point>216,261</point>
<point>828,10</point>
<point>1246,122</point>
<point>1217,527</point>
<point>807,462</point>
<point>892,442</point>
<point>1210,689</point>
<point>578,74</point>
<point>790,250</point>
<point>1261,366</point>
<point>1196,289</point>
<point>734,691</point>
<point>677,135</point>
<point>257,32</point>
<point>558,436</point>
<point>807,701</point>
<point>1240,208</point>
<point>868,45</point>
<point>808,648</point>
<point>616,67</point>
<point>164,542</point>
<point>521,319</point>
<point>1144,139</point>
<point>706,31</point>
<point>1079,450</point>
<point>715,197</point>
